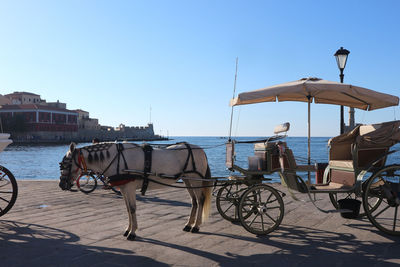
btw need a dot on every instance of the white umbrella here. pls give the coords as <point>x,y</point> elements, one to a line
<point>321,92</point>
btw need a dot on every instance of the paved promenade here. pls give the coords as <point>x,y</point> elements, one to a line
<point>51,227</point>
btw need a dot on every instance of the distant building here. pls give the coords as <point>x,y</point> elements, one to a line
<point>20,98</point>
<point>33,121</point>
<point>57,104</point>
<point>85,122</point>
<point>28,118</point>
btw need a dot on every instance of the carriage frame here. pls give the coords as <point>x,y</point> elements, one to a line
<point>356,171</point>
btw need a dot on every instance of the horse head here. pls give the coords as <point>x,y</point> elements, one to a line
<point>94,158</point>
<point>69,168</point>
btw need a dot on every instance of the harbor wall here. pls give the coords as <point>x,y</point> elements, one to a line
<point>87,135</point>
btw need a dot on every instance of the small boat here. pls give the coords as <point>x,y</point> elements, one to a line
<point>4,141</point>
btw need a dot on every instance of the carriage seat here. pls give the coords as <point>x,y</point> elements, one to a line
<point>282,128</point>
<point>359,149</point>
<point>362,145</point>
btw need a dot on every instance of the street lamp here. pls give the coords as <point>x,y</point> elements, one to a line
<point>341,59</point>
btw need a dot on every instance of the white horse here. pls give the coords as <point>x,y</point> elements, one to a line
<point>160,165</point>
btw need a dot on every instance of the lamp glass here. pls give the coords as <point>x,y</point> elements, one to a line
<point>341,61</point>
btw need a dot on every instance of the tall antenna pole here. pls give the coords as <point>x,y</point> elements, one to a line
<point>234,91</point>
<point>150,114</point>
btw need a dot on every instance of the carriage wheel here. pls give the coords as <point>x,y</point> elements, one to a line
<point>384,186</point>
<point>228,198</point>
<point>8,190</point>
<point>334,197</point>
<point>87,183</point>
<point>261,209</point>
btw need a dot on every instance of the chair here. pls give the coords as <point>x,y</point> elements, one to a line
<point>364,148</point>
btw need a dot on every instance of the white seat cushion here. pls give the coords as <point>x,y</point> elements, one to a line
<point>347,164</point>
<point>332,186</point>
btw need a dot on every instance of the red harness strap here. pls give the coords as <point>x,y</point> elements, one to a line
<point>82,162</point>
<point>121,182</point>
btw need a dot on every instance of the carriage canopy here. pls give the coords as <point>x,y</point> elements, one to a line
<point>321,92</point>
<point>379,135</point>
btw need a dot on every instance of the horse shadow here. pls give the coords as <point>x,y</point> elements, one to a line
<point>161,201</point>
<point>298,246</point>
<point>144,199</point>
<point>24,244</point>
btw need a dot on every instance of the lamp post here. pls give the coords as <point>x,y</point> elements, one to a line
<point>341,59</point>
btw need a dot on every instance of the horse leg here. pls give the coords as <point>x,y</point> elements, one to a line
<point>203,196</point>
<point>129,193</point>
<point>193,211</point>
<point>123,192</point>
<point>200,198</point>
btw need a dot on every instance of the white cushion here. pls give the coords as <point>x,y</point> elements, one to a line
<point>348,164</point>
<point>282,128</point>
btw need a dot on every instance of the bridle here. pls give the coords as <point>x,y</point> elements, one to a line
<point>66,165</point>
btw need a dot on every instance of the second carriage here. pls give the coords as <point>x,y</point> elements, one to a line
<point>8,183</point>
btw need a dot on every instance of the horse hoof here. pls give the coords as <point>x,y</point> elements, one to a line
<point>195,230</point>
<point>187,228</point>
<point>131,237</point>
<point>126,233</point>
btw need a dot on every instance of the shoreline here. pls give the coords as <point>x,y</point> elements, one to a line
<point>62,142</point>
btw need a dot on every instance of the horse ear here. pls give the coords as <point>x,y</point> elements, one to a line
<point>72,147</point>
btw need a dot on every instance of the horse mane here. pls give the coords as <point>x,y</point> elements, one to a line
<point>96,152</point>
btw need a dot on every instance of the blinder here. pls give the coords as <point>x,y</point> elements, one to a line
<point>65,178</point>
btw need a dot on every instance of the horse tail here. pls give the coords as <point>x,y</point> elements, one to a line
<point>207,190</point>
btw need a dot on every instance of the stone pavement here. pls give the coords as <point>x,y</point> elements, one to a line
<point>51,227</point>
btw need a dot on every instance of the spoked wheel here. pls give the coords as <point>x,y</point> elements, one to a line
<point>384,186</point>
<point>228,198</point>
<point>8,190</point>
<point>87,183</point>
<point>261,209</point>
<point>334,197</point>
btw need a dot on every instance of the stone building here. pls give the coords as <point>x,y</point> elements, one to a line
<point>85,122</point>
<point>39,122</point>
<point>21,98</point>
<point>28,118</point>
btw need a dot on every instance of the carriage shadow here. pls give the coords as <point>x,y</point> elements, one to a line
<point>24,244</point>
<point>372,229</point>
<point>298,246</point>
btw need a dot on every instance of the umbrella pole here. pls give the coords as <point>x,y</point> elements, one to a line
<point>234,90</point>
<point>309,134</point>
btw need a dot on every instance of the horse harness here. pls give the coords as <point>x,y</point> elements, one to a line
<point>147,149</point>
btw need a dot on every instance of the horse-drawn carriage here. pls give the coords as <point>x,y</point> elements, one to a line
<point>8,184</point>
<point>356,169</point>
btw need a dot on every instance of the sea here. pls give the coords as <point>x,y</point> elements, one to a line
<point>41,162</point>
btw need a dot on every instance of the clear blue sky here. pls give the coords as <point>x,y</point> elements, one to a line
<point>115,59</point>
